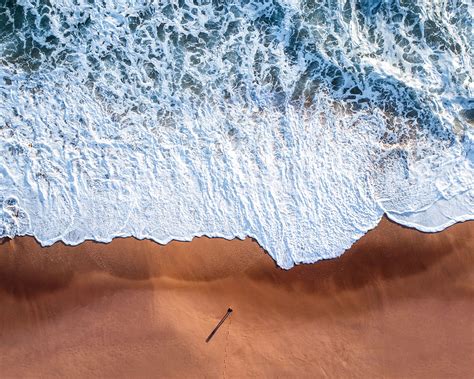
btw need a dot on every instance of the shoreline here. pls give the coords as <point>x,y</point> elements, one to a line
<point>385,218</point>
<point>135,308</point>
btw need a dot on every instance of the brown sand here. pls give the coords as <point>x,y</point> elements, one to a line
<point>398,304</point>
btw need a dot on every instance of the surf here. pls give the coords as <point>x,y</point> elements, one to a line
<point>297,123</point>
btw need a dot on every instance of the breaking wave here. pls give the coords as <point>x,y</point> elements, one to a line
<point>296,122</point>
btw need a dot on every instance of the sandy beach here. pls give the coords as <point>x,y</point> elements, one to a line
<point>399,303</point>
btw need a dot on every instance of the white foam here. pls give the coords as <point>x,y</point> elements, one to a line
<point>115,140</point>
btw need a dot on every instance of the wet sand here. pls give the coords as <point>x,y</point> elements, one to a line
<point>399,303</point>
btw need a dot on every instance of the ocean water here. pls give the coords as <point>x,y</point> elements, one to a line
<point>297,122</point>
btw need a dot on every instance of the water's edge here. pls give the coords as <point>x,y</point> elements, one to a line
<point>241,238</point>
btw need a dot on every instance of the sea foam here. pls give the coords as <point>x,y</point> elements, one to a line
<point>298,123</point>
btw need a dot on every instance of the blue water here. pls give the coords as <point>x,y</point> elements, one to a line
<point>298,123</point>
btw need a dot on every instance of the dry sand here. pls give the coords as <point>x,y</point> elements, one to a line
<point>397,304</point>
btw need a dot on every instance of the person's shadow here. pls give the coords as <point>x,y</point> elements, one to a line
<point>214,331</point>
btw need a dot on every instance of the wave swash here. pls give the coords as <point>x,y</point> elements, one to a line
<point>298,123</point>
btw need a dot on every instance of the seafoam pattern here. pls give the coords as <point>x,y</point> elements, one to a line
<point>298,123</point>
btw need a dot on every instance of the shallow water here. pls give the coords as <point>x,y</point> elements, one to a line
<point>299,123</point>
